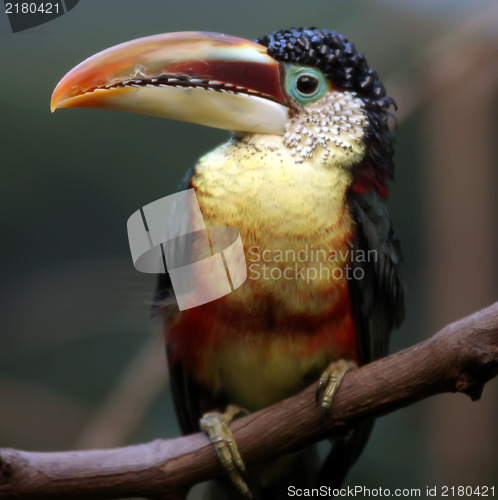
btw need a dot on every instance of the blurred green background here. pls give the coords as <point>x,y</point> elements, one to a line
<point>81,362</point>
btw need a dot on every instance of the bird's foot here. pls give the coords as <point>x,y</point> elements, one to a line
<point>330,381</point>
<point>215,425</point>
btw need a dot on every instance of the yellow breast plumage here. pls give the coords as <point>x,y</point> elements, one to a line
<point>259,340</point>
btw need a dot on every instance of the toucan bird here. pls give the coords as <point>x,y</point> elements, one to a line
<point>303,178</point>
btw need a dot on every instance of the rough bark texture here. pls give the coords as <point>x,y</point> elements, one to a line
<point>461,357</point>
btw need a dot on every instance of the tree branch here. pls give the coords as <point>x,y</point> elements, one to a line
<point>461,357</point>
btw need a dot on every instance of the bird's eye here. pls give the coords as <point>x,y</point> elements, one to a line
<point>305,84</point>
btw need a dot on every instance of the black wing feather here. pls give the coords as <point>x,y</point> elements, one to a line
<point>377,298</point>
<point>378,307</point>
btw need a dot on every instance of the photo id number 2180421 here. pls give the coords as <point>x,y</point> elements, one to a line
<point>32,8</point>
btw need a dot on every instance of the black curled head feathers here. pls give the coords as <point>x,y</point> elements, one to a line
<point>333,54</point>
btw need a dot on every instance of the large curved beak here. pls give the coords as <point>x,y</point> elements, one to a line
<point>205,78</point>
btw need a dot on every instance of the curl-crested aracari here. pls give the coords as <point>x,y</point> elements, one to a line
<point>307,169</point>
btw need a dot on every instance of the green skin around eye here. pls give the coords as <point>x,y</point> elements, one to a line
<point>292,75</point>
